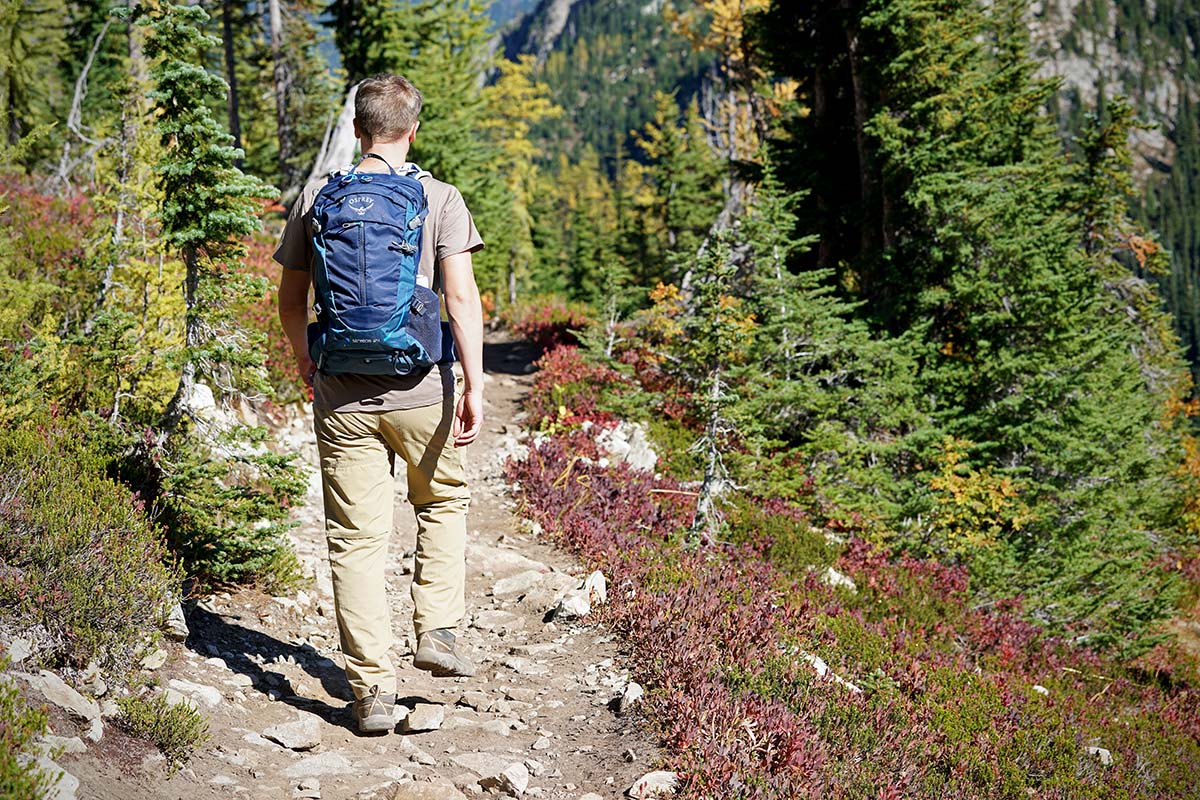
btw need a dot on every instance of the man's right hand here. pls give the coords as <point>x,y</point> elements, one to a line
<point>468,417</point>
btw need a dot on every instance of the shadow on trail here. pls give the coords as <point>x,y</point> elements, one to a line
<point>510,358</point>
<point>243,649</point>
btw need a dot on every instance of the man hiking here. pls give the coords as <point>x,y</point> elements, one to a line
<point>364,416</point>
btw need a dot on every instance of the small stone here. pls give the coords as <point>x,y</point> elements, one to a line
<point>320,764</point>
<point>573,605</point>
<point>420,790</point>
<point>19,649</point>
<point>154,660</point>
<point>207,695</point>
<point>521,694</point>
<point>487,766</point>
<point>222,780</point>
<point>497,727</point>
<point>309,788</point>
<point>424,717</point>
<point>542,743</point>
<point>534,766</point>
<point>257,739</point>
<point>653,784</point>
<point>174,698</point>
<point>95,731</point>
<point>831,577</point>
<point>590,796</point>
<point>238,679</point>
<point>68,745</point>
<point>300,734</point>
<point>629,755</point>
<point>175,625</point>
<point>1040,689</point>
<point>64,784</point>
<point>523,666</point>
<point>631,695</point>
<point>517,584</point>
<point>515,779</point>
<point>596,588</point>
<point>217,662</point>
<point>54,689</point>
<point>1103,755</point>
<point>476,700</point>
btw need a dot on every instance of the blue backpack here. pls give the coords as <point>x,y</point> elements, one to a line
<point>373,316</point>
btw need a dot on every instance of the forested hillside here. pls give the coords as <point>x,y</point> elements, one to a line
<point>898,322</point>
<point>1148,53</point>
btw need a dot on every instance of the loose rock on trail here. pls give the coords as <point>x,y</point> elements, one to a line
<point>538,720</point>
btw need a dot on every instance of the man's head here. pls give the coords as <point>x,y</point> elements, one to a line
<point>386,109</point>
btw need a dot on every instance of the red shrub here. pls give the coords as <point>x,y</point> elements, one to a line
<point>719,637</point>
<point>548,322</point>
<point>568,389</point>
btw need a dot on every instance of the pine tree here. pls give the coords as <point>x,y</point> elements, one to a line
<point>31,45</point>
<point>514,103</point>
<point>686,178</point>
<point>825,388</point>
<point>216,489</point>
<point>716,332</point>
<point>980,251</point>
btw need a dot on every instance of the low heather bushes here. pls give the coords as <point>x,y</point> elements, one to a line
<point>176,730</point>
<point>20,726</point>
<point>946,698</point>
<point>949,705</point>
<point>81,566</point>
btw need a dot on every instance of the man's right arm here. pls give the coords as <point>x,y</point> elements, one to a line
<point>466,322</point>
<point>293,316</point>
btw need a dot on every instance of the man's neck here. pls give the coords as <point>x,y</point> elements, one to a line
<point>394,153</point>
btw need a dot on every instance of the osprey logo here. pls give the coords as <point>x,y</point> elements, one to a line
<point>360,203</point>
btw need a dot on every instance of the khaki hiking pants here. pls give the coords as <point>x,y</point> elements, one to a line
<point>356,452</point>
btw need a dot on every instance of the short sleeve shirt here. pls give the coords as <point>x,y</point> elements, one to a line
<point>449,230</point>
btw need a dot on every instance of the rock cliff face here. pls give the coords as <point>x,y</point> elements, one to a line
<point>1135,48</point>
<point>539,31</point>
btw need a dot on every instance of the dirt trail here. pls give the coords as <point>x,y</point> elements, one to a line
<point>541,699</point>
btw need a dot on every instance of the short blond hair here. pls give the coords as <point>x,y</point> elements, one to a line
<point>386,107</point>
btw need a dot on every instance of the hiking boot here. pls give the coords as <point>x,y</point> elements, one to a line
<point>373,712</point>
<point>436,653</point>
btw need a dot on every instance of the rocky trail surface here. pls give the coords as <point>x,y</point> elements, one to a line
<point>544,716</point>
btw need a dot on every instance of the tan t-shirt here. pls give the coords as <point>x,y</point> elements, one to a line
<point>449,230</point>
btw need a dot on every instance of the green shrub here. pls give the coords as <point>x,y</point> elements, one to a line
<point>79,558</point>
<point>794,545</point>
<point>177,730</point>
<point>20,778</point>
<point>226,508</point>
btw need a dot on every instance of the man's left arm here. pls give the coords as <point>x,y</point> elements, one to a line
<point>293,316</point>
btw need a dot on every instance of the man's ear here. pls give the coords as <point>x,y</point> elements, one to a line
<point>357,135</point>
<point>412,134</point>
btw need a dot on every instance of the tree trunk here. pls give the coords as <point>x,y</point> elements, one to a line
<point>820,110</point>
<point>180,404</point>
<point>338,149</point>
<point>869,231</point>
<point>283,85</point>
<point>235,122</point>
